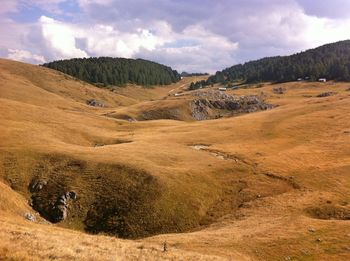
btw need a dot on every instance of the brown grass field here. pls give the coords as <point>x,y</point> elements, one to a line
<point>270,185</point>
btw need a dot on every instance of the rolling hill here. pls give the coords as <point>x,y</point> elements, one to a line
<point>331,61</point>
<point>105,71</point>
<point>81,182</point>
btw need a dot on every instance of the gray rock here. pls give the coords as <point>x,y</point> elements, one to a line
<point>37,185</point>
<point>206,106</point>
<point>60,208</point>
<point>72,195</point>
<point>279,90</point>
<point>29,217</point>
<point>95,103</point>
<point>60,212</point>
<point>326,94</point>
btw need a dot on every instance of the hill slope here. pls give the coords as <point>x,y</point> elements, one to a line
<point>331,61</point>
<point>116,71</point>
<point>271,185</point>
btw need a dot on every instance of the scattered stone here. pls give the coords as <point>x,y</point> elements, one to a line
<point>29,217</point>
<point>312,230</point>
<point>318,240</point>
<point>279,90</point>
<point>95,103</point>
<point>326,94</point>
<point>165,246</point>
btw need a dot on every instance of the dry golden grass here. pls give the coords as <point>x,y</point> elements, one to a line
<point>251,205</point>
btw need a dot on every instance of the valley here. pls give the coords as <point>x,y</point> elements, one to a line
<point>241,174</point>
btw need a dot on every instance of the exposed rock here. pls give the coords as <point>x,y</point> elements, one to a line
<point>60,209</point>
<point>329,212</point>
<point>37,185</point>
<point>165,246</point>
<point>279,90</point>
<point>29,217</point>
<point>205,108</point>
<point>326,94</point>
<point>55,211</point>
<point>72,195</point>
<point>312,230</point>
<point>95,103</point>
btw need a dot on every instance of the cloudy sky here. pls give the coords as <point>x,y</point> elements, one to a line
<point>190,35</point>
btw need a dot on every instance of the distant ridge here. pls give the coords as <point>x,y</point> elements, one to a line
<point>104,71</point>
<point>331,61</point>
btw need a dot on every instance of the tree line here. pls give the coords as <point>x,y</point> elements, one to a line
<point>105,71</point>
<point>186,74</point>
<point>331,61</point>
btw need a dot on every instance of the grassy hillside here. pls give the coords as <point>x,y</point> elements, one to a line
<point>330,61</point>
<point>270,185</point>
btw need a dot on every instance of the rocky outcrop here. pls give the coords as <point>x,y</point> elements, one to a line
<point>36,185</point>
<point>214,104</point>
<point>54,210</point>
<point>60,208</point>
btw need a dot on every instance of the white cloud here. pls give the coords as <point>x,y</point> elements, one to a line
<point>24,56</point>
<point>183,34</point>
<point>159,43</point>
<point>105,40</point>
<point>194,49</point>
<point>61,38</point>
<point>324,30</point>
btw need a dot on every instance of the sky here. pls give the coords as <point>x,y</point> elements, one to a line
<point>188,35</point>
